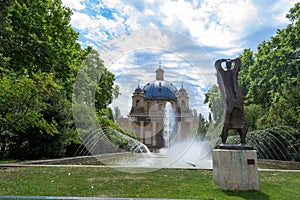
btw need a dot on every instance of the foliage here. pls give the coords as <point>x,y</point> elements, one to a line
<point>117,113</point>
<point>93,93</point>
<point>104,92</point>
<point>39,59</point>
<point>37,36</point>
<point>21,102</point>
<point>35,143</point>
<point>215,102</point>
<point>34,117</point>
<point>271,77</point>
<point>202,126</point>
<point>253,113</point>
<point>247,59</point>
<point>284,110</point>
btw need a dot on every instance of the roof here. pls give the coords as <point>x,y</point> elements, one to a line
<point>160,89</point>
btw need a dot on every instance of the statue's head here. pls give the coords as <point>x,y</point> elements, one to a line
<point>228,64</point>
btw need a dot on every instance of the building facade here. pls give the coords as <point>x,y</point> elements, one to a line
<point>148,109</point>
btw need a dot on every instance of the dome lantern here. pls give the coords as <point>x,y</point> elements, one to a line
<point>160,73</point>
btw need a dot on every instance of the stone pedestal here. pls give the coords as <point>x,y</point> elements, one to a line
<point>235,169</point>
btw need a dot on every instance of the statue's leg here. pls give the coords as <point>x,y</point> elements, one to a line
<point>242,132</point>
<point>224,134</point>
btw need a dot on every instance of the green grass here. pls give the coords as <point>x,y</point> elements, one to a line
<point>7,161</point>
<point>164,183</point>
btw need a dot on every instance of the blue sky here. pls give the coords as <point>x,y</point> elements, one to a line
<point>186,36</point>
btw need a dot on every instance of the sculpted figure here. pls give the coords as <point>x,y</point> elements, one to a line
<point>233,98</point>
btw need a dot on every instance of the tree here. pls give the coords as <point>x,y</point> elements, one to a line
<point>202,126</point>
<point>21,101</point>
<point>95,83</point>
<point>253,113</point>
<point>215,102</point>
<point>247,60</point>
<point>37,36</point>
<point>117,113</point>
<point>37,47</point>
<point>94,91</point>
<point>284,110</point>
<point>271,78</point>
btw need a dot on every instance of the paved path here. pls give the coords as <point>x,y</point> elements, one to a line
<point>104,166</point>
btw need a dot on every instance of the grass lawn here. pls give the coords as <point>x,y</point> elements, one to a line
<point>164,183</point>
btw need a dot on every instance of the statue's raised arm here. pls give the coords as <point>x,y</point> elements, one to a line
<point>218,64</point>
<point>237,65</point>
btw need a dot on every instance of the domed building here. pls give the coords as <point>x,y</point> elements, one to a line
<point>148,108</point>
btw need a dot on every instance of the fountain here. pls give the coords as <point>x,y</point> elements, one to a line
<point>108,147</point>
<point>190,153</point>
<point>277,143</point>
<point>134,145</point>
<point>169,125</point>
<point>99,142</point>
<point>183,154</point>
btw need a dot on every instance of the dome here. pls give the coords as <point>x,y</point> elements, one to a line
<point>160,89</point>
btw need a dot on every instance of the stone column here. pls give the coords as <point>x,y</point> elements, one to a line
<point>142,132</point>
<point>154,132</point>
<point>180,133</point>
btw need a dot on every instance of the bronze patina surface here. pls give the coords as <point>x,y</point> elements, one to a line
<point>234,117</point>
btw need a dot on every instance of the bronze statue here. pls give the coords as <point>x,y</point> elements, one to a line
<point>233,98</point>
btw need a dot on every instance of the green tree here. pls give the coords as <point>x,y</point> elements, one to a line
<point>37,42</point>
<point>21,101</point>
<point>247,60</point>
<point>95,84</point>
<point>253,113</point>
<point>94,91</point>
<point>117,113</point>
<point>271,78</point>
<point>215,102</point>
<point>202,126</point>
<point>37,36</point>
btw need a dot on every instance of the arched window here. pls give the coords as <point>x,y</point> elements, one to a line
<point>137,102</point>
<point>160,106</point>
<point>183,103</point>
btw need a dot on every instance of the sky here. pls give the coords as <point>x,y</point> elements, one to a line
<point>185,36</point>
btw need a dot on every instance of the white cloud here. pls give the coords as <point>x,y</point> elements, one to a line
<point>218,23</point>
<point>180,27</point>
<point>82,21</point>
<point>223,22</point>
<point>98,27</point>
<point>74,4</point>
<point>113,4</point>
<point>235,14</point>
<point>154,45</point>
<point>281,8</point>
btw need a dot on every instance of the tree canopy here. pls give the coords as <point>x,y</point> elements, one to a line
<point>39,59</point>
<point>271,77</point>
<point>37,36</point>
